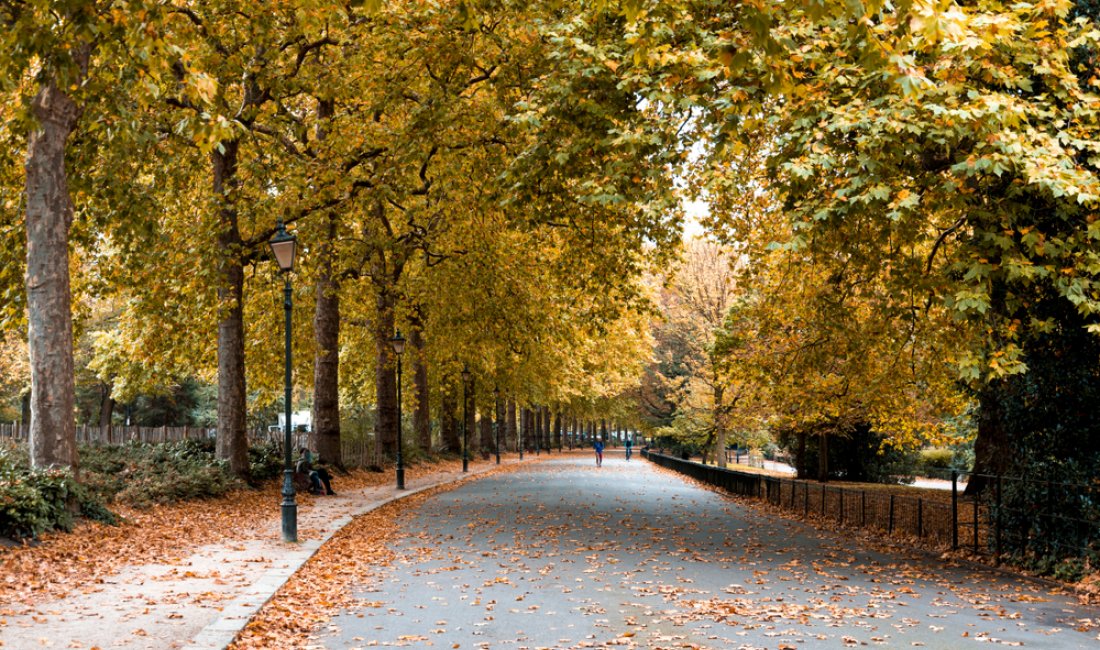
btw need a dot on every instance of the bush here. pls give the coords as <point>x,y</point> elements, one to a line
<point>936,461</point>
<point>35,501</point>
<point>265,461</point>
<point>142,474</point>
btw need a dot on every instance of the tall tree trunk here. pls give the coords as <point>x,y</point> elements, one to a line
<point>498,421</point>
<point>232,441</point>
<point>510,426</point>
<point>326,360</point>
<point>385,369</point>
<point>823,457</point>
<point>525,428</point>
<point>557,430</point>
<point>485,425</point>
<point>326,333</point>
<point>448,421</point>
<point>992,447</point>
<point>719,426</point>
<point>471,417</point>
<point>422,426</point>
<point>546,428</point>
<point>49,216</point>
<point>25,411</point>
<point>106,412</point>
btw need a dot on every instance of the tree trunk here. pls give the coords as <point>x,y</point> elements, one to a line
<point>471,417</point>
<point>510,426</point>
<point>326,333</point>
<point>385,382</point>
<point>422,428</point>
<point>719,426</point>
<point>25,411</point>
<point>525,428</point>
<point>485,424</point>
<point>106,413</point>
<point>232,441</point>
<point>823,458</point>
<point>448,422</point>
<point>802,470</point>
<point>992,447</point>
<point>326,360</point>
<point>498,421</point>
<point>49,216</point>
<point>558,430</point>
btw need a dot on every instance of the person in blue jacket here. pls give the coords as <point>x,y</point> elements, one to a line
<point>598,446</point>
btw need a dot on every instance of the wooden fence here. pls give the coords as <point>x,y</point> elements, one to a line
<point>117,435</point>
<point>360,451</point>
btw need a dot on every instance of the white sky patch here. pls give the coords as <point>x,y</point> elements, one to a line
<point>694,211</point>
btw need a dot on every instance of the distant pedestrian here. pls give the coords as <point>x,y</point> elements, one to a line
<point>598,446</point>
<point>629,447</point>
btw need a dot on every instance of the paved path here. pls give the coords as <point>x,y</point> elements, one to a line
<point>564,555</point>
<point>201,600</point>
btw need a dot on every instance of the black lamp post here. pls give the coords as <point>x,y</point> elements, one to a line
<point>465,443</point>
<point>284,246</point>
<point>398,343</point>
<point>519,435</point>
<point>496,418</point>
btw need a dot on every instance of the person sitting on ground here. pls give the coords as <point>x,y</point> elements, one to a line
<point>317,475</point>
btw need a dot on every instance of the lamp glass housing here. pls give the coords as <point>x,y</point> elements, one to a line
<point>284,247</point>
<point>398,343</point>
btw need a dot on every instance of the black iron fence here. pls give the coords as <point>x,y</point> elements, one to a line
<point>1038,520</point>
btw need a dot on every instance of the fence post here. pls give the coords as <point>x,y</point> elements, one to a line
<point>890,525</point>
<point>920,517</point>
<point>997,524</point>
<point>954,509</point>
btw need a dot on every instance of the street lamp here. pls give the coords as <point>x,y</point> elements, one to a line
<point>398,343</point>
<point>465,443</point>
<point>283,247</point>
<point>496,418</point>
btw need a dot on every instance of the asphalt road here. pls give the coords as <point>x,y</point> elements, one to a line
<point>564,555</point>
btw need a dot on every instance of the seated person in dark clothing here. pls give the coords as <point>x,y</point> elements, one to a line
<point>318,476</point>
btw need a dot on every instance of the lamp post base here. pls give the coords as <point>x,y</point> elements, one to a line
<point>289,508</point>
<point>400,478</point>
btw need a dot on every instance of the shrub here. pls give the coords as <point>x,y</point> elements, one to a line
<point>936,461</point>
<point>35,501</point>
<point>265,461</point>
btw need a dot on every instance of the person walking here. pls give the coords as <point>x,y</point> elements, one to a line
<point>598,446</point>
<point>629,447</point>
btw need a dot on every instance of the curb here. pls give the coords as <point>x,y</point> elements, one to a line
<point>238,612</point>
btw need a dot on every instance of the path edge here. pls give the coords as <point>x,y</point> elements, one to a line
<point>236,615</point>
